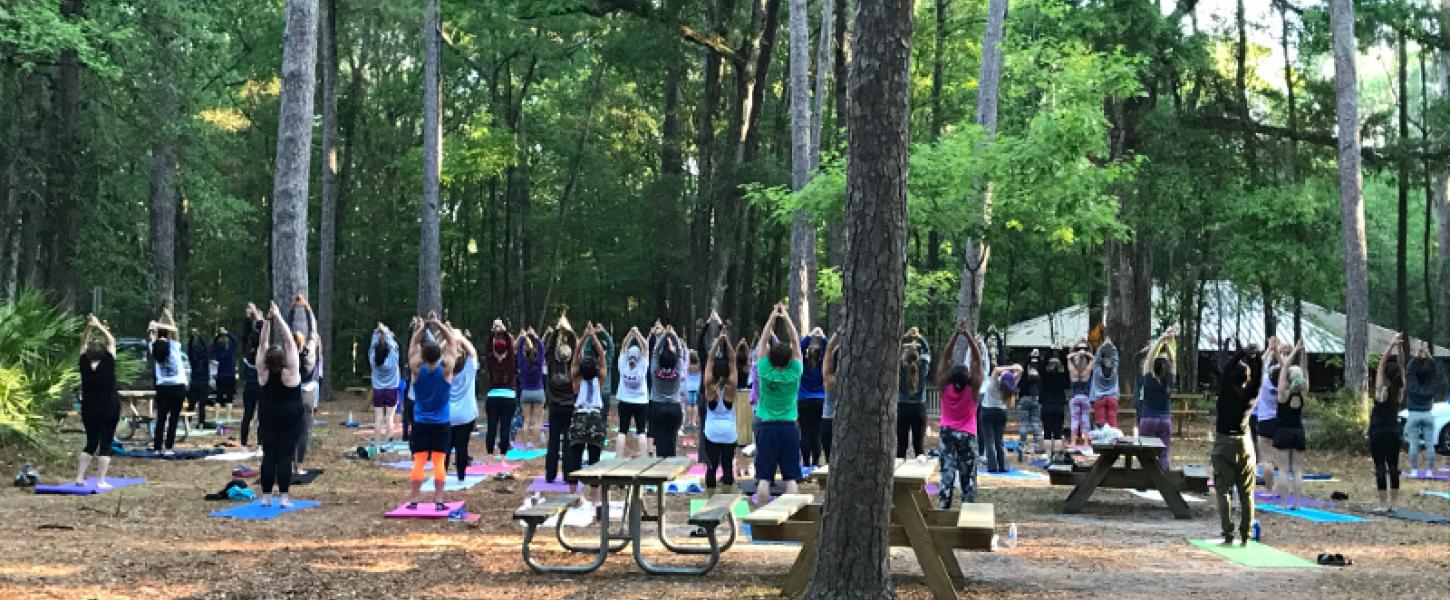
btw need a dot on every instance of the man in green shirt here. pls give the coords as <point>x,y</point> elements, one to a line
<point>777,440</point>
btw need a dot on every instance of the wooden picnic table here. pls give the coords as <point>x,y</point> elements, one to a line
<point>1142,473</point>
<point>633,475</point>
<point>931,533</point>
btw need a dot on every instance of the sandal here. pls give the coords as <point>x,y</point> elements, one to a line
<point>440,507</point>
<point>411,506</point>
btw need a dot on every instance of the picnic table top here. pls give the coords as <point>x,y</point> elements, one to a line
<point>633,470</point>
<point>1131,445</point>
<point>907,471</point>
<point>136,393</point>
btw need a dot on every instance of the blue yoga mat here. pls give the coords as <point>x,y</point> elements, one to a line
<point>254,511</point>
<point>517,454</point>
<point>1436,493</point>
<point>1312,515</point>
<point>1012,474</point>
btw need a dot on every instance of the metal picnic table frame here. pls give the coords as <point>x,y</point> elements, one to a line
<point>1145,451</point>
<point>634,475</point>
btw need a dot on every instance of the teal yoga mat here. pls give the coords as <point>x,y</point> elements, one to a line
<point>1255,555</point>
<point>1312,515</point>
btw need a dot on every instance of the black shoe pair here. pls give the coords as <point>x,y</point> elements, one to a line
<point>1334,560</point>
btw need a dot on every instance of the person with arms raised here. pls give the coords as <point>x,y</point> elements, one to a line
<point>777,440</point>
<point>100,405</point>
<point>432,364</point>
<point>280,410</point>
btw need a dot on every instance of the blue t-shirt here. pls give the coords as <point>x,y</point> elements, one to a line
<point>462,394</point>
<point>430,396</point>
<point>813,382</point>
<point>385,376</point>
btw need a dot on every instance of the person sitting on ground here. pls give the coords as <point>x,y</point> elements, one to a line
<point>1425,384</point>
<point>1233,451</point>
<point>958,438</point>
<point>777,440</point>
<point>100,404</point>
<point>1384,425</point>
<point>280,411</point>
<point>432,364</point>
<point>1155,415</point>
<point>1289,440</point>
<point>383,351</point>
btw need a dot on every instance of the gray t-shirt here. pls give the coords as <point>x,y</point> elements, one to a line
<point>665,380</point>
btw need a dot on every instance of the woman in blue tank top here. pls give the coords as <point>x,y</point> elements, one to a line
<point>432,369</point>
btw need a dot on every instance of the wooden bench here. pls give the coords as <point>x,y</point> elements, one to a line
<point>535,515</point>
<point>718,508</point>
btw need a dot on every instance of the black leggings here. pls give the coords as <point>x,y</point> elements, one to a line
<point>719,456</point>
<point>100,430</point>
<point>664,424</point>
<point>575,460</point>
<point>826,439</point>
<point>500,413</point>
<point>1384,449</point>
<point>1052,421</point>
<point>279,447</point>
<point>559,417</point>
<point>459,445</point>
<point>910,421</point>
<point>169,399</point>
<point>196,400</point>
<point>809,411</point>
<point>250,394</point>
<point>407,417</point>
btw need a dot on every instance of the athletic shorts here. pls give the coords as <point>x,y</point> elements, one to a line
<point>385,398</point>
<point>1289,438</point>
<point>531,396</point>
<point>638,413</point>
<point>1267,429</point>
<point>778,446</point>
<point>226,386</point>
<point>430,437</point>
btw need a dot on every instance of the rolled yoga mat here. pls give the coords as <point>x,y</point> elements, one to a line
<point>1255,555</point>
<point>71,489</point>
<point>254,511</point>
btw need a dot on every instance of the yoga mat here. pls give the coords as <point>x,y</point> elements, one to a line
<point>307,477</point>
<point>452,484</point>
<point>1263,496</point>
<point>1157,496</point>
<point>424,510</point>
<point>696,470</point>
<point>1040,463</point>
<point>1430,477</point>
<point>1312,515</point>
<point>1012,474</point>
<point>740,509</point>
<point>1255,555</point>
<point>1436,493</point>
<point>539,485</point>
<point>493,469</point>
<point>1405,514</point>
<point>243,455</point>
<point>531,454</point>
<point>177,455</point>
<point>254,511</point>
<point>70,488</point>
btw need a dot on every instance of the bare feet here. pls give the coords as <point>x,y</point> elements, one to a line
<point>103,484</point>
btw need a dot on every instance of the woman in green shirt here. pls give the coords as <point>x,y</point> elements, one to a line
<point>777,440</point>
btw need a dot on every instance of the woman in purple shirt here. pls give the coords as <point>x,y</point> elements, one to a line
<point>529,355</point>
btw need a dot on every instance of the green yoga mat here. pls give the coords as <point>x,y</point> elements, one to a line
<point>741,508</point>
<point>1254,555</point>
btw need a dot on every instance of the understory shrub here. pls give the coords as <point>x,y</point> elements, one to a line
<point>39,344</point>
<point>1337,421</point>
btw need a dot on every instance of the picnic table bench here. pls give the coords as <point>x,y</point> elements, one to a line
<point>633,475</point>
<point>932,534</point>
<point>1148,474</point>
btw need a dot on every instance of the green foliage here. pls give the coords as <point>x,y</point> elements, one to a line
<point>37,366</point>
<point>1337,422</point>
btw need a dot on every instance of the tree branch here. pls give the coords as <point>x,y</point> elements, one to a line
<point>1370,154</point>
<point>644,10</point>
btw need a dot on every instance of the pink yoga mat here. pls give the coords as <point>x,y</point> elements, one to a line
<point>492,469</point>
<point>425,510</point>
<point>696,471</point>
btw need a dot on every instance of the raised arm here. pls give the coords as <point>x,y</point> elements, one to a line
<point>828,366</point>
<point>449,343</point>
<point>944,369</point>
<point>1393,349</point>
<point>415,349</point>
<point>600,358</point>
<point>291,361</point>
<point>974,353</point>
<point>263,374</point>
<point>795,334</point>
<point>763,345</point>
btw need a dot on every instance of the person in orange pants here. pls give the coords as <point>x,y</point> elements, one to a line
<point>432,366</point>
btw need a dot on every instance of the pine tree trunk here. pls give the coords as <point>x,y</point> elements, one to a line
<point>430,290</point>
<point>163,206</point>
<point>327,259</point>
<point>978,253</point>
<point>294,153</point>
<point>1442,198</point>
<point>1402,185</point>
<point>802,232</point>
<point>854,556</point>
<point>67,152</point>
<point>1351,200</point>
<point>825,59</point>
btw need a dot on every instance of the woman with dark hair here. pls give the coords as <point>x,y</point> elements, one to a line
<point>529,354</point>
<point>1289,440</point>
<point>958,438</point>
<point>1155,415</point>
<point>777,440</point>
<point>745,399</point>
<point>1055,383</point>
<point>633,394</point>
<point>1105,384</point>
<point>432,364</point>
<point>462,403</point>
<point>668,363</point>
<point>100,407</point>
<point>383,359</point>
<point>1080,408</point>
<point>169,366</point>
<point>198,393</point>
<point>911,401</point>
<point>559,345</point>
<point>811,400</point>
<point>1384,425</point>
<point>224,352</point>
<point>718,389</point>
<point>502,401</point>
<point>309,355</point>
<point>1424,386</point>
<point>280,410</point>
<point>251,390</point>
<point>587,429</point>
<point>828,412</point>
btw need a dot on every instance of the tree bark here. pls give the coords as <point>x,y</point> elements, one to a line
<point>978,252</point>
<point>1291,161</point>
<point>802,231</point>
<point>854,556</point>
<point>1442,196</point>
<point>294,153</point>
<point>430,290</point>
<point>1351,200</point>
<point>327,259</point>
<point>67,151</point>
<point>1402,185</point>
<point>1426,246</point>
<point>825,58</point>
<point>163,197</point>
<point>938,120</point>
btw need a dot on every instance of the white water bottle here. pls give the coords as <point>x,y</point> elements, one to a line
<point>1011,535</point>
<point>349,417</point>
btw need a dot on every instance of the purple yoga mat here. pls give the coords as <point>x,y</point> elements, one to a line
<point>70,487</point>
<point>1431,477</point>
<point>1263,496</point>
<point>539,485</point>
<point>424,510</point>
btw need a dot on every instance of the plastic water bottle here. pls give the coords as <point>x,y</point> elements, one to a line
<point>1256,530</point>
<point>1011,535</point>
<point>349,417</point>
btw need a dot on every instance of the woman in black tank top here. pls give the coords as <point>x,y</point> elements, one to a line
<point>100,408</point>
<point>280,410</point>
<point>1289,423</point>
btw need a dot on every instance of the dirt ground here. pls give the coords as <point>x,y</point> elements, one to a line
<point>157,541</point>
